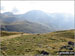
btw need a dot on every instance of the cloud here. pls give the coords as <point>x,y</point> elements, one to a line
<point>47,6</point>
<point>1,8</point>
<point>15,10</point>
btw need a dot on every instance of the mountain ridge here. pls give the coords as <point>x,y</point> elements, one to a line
<point>49,22</point>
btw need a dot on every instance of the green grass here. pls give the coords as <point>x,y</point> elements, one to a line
<point>34,44</point>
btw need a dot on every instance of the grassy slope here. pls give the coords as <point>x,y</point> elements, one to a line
<point>5,33</point>
<point>34,44</point>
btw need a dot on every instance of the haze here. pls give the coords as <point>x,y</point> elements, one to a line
<point>46,6</point>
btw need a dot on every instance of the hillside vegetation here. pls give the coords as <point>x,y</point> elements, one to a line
<point>36,44</point>
<point>6,33</point>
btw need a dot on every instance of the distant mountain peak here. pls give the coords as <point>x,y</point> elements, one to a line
<point>36,12</point>
<point>8,13</point>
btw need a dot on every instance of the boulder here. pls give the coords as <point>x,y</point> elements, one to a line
<point>71,43</point>
<point>44,53</point>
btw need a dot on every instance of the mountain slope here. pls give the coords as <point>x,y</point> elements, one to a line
<point>7,18</point>
<point>34,44</point>
<point>57,21</point>
<point>26,26</point>
<point>37,16</point>
<point>11,22</point>
<point>44,21</point>
<point>62,21</point>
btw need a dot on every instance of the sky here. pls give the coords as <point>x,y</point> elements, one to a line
<point>21,7</point>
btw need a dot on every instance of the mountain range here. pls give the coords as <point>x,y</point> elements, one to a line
<point>36,21</point>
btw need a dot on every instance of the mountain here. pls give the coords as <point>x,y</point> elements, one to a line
<point>10,22</point>
<point>7,18</point>
<point>62,21</point>
<point>37,16</point>
<point>37,20</point>
<point>8,14</point>
<point>57,21</point>
<point>26,26</point>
